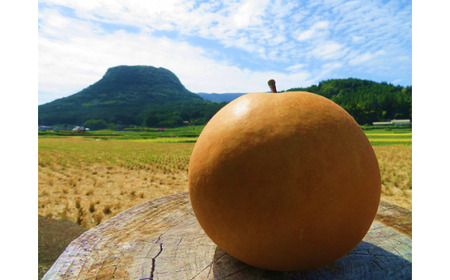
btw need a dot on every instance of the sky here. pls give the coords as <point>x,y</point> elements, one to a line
<point>224,46</point>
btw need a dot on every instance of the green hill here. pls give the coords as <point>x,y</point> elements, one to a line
<point>130,95</point>
<point>149,96</point>
<point>366,101</point>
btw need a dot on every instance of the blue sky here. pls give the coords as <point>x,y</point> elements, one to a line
<point>224,46</point>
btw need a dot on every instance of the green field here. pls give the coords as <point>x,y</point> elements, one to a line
<point>389,136</point>
<point>189,134</point>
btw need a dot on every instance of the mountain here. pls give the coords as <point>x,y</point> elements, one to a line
<point>155,97</point>
<point>367,101</point>
<point>219,97</point>
<point>127,95</point>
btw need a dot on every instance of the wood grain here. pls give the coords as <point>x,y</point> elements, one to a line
<point>161,239</point>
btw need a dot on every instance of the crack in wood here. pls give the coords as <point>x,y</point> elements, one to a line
<point>396,271</point>
<point>152,272</point>
<point>201,271</point>
<point>375,261</point>
<point>179,242</point>
<point>68,270</point>
<point>154,260</point>
<point>209,272</point>
<point>208,266</point>
<point>114,272</point>
<point>236,272</point>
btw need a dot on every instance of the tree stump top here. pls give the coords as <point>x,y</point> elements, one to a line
<point>161,239</point>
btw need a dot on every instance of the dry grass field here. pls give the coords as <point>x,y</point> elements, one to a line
<point>87,181</point>
<point>396,174</point>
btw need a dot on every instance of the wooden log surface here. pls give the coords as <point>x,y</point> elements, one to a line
<point>161,239</point>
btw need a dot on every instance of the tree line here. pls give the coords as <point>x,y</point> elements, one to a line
<point>366,101</point>
<point>160,106</point>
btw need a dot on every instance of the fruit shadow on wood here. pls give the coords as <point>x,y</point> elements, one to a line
<point>366,261</point>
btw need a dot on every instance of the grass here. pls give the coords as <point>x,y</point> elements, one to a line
<point>396,174</point>
<point>88,179</point>
<point>54,236</point>
<point>168,140</point>
<point>189,134</point>
<point>137,133</point>
<point>389,136</point>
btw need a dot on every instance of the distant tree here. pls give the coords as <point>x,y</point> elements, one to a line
<point>366,101</point>
<point>174,115</point>
<point>95,124</point>
<point>112,126</point>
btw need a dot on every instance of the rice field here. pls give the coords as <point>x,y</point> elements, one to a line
<point>385,137</point>
<point>167,140</point>
<point>89,179</point>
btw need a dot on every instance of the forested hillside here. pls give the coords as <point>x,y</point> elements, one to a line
<point>130,95</point>
<point>155,97</point>
<point>366,101</point>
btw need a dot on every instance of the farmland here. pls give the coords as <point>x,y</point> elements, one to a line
<point>388,136</point>
<point>88,178</point>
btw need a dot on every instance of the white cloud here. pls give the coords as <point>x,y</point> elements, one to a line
<point>72,63</point>
<point>329,67</point>
<point>365,57</point>
<point>319,29</point>
<point>296,67</point>
<point>321,25</point>
<point>283,36</point>
<point>329,50</point>
<point>358,38</point>
<point>243,25</point>
<point>308,34</point>
<point>249,13</point>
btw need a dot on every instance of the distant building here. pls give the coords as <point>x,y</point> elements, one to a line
<point>80,129</point>
<point>401,122</point>
<point>45,127</point>
<point>382,123</point>
<point>393,122</point>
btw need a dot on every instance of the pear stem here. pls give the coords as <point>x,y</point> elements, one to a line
<point>272,86</point>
